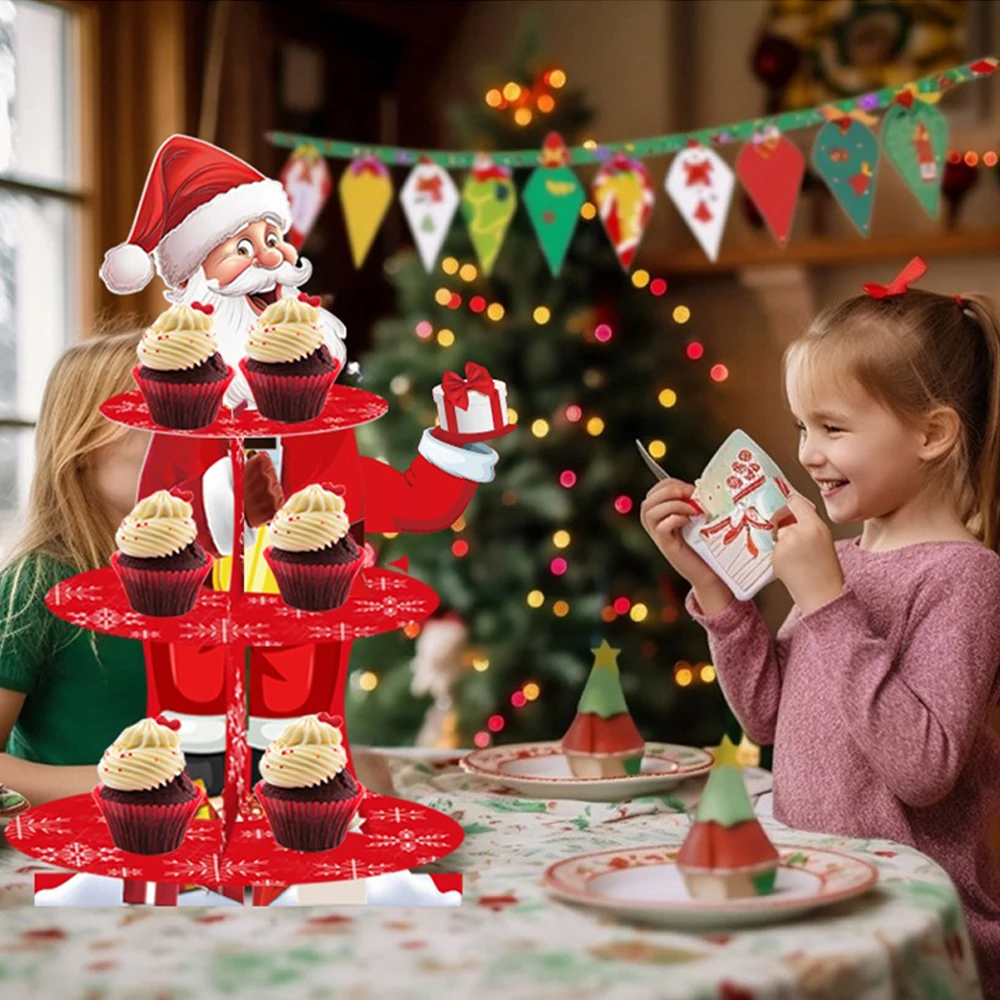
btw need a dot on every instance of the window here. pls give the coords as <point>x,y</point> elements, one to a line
<point>41,209</point>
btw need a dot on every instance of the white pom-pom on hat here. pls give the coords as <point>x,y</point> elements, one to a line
<point>127,268</point>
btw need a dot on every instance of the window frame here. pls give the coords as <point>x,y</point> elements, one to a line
<point>81,38</point>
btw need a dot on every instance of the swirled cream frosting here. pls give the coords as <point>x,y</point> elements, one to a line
<point>145,756</point>
<point>285,331</point>
<point>309,521</point>
<point>305,754</point>
<point>180,338</point>
<point>159,525</point>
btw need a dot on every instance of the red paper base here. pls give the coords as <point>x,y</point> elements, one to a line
<point>452,437</point>
<point>397,835</point>
<point>380,601</point>
<point>345,407</point>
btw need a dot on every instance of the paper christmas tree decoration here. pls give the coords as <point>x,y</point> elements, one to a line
<point>365,194</point>
<point>846,157</point>
<point>553,197</point>
<point>726,853</point>
<point>770,168</point>
<point>623,194</point>
<point>603,741</point>
<point>744,496</point>
<point>701,185</point>
<point>307,182</point>
<point>915,138</point>
<point>430,201</point>
<point>489,201</point>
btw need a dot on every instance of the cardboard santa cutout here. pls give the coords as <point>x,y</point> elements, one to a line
<point>214,229</point>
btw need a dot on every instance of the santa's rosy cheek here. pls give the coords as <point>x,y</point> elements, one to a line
<point>226,270</point>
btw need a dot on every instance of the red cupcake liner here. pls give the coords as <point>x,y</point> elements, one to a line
<point>148,828</point>
<point>308,826</point>
<point>183,406</point>
<point>290,399</point>
<point>314,587</point>
<point>162,593</point>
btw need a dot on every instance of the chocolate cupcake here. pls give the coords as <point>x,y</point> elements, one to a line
<point>307,793</point>
<point>288,366</point>
<point>182,375</point>
<point>159,561</point>
<point>145,794</point>
<point>312,555</point>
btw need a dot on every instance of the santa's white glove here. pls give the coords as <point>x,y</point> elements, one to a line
<point>475,462</point>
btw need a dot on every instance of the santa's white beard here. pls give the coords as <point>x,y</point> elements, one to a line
<point>232,315</point>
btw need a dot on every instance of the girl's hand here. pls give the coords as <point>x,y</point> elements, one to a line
<point>805,559</point>
<point>664,513</point>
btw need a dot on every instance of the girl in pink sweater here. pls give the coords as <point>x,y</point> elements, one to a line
<point>876,691</point>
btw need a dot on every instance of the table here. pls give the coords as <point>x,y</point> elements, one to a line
<point>510,939</point>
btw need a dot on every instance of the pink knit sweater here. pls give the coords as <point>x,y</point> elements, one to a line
<point>877,704</point>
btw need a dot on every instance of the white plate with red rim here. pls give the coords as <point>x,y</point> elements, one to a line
<point>645,886</point>
<point>541,771</point>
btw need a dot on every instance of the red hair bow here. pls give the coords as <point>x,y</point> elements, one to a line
<point>203,308</point>
<point>173,724</point>
<point>309,300</point>
<point>917,268</point>
<point>456,389</point>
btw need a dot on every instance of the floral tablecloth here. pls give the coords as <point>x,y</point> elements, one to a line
<point>906,939</point>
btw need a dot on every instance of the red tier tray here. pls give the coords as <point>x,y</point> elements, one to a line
<point>346,407</point>
<point>380,601</point>
<point>396,835</point>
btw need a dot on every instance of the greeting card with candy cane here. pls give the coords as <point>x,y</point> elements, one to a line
<point>744,495</point>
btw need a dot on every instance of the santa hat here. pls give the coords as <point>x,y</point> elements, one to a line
<point>196,196</point>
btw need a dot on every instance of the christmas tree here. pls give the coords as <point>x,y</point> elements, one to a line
<point>550,558</point>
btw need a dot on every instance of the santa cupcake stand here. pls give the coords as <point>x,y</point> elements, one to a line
<point>238,849</point>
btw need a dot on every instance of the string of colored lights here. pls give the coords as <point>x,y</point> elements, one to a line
<point>662,145</point>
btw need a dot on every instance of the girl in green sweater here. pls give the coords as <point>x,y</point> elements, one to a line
<point>66,692</point>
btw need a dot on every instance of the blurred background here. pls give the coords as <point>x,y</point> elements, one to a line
<point>677,350</point>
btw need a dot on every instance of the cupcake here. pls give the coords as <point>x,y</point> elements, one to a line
<point>145,794</point>
<point>182,375</point>
<point>306,791</point>
<point>159,561</point>
<point>313,557</point>
<point>287,365</point>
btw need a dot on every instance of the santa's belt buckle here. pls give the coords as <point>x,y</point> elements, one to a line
<point>260,444</point>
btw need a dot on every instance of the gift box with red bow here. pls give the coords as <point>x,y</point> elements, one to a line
<point>473,408</point>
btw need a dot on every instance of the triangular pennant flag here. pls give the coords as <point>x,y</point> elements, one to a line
<point>846,157</point>
<point>701,185</point>
<point>915,138</point>
<point>307,182</point>
<point>553,197</point>
<point>624,197</point>
<point>365,194</point>
<point>770,168</point>
<point>489,201</point>
<point>430,201</point>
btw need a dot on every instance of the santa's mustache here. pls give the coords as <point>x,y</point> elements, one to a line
<point>262,279</point>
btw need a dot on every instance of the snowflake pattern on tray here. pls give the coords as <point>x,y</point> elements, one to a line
<point>422,835</point>
<point>346,407</point>
<point>387,601</point>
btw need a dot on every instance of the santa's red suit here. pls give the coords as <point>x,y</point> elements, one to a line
<point>197,197</point>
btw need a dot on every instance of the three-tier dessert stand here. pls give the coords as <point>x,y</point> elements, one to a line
<point>237,849</point>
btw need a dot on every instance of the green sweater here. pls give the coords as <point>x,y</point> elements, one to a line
<point>82,688</point>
